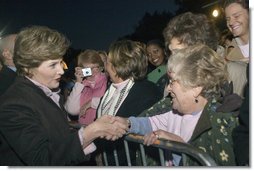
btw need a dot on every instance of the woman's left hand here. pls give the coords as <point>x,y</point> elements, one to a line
<point>160,134</point>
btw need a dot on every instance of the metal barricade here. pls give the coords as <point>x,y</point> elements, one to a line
<point>183,148</point>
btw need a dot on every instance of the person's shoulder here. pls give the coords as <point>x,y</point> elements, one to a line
<point>145,84</point>
<point>15,94</point>
<point>221,118</point>
<point>5,71</point>
<point>147,88</point>
<point>155,74</point>
<point>21,86</point>
<point>22,92</point>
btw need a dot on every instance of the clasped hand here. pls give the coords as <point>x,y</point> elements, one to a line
<point>112,127</point>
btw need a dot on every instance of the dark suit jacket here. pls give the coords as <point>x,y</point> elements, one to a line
<point>7,77</point>
<point>34,130</point>
<point>142,95</point>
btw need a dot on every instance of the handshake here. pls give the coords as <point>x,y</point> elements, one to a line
<point>108,127</point>
<point>113,127</point>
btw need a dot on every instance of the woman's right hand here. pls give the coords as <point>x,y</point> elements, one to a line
<point>79,74</point>
<point>107,127</point>
<point>112,128</point>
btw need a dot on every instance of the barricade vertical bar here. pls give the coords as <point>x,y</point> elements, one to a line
<point>162,159</point>
<point>184,159</point>
<point>116,157</point>
<point>105,158</point>
<point>183,148</point>
<point>126,146</point>
<point>143,155</point>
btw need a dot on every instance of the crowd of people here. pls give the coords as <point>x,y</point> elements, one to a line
<point>192,88</point>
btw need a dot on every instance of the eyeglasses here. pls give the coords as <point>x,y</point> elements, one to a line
<point>171,82</point>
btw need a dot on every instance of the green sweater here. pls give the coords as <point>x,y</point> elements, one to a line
<point>157,73</point>
<point>213,135</point>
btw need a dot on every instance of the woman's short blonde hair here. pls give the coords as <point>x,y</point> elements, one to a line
<point>36,44</point>
<point>199,66</point>
<point>129,59</point>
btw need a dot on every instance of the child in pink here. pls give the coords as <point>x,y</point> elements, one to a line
<point>89,87</point>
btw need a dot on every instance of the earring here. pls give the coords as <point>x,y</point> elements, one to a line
<point>196,100</point>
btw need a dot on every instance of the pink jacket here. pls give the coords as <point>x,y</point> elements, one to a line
<point>82,94</point>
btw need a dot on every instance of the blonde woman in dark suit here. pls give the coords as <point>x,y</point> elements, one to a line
<point>34,129</point>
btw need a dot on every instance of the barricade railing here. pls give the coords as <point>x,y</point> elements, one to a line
<point>177,147</point>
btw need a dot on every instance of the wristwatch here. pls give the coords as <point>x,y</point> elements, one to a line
<point>129,123</point>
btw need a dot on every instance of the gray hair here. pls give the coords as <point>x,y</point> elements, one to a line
<point>199,65</point>
<point>7,42</point>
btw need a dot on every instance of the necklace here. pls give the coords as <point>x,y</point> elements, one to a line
<point>122,93</point>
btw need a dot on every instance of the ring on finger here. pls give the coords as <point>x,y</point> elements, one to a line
<point>156,135</point>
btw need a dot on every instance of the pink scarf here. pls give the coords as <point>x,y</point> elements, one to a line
<point>96,88</point>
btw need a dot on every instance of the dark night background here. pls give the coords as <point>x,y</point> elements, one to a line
<point>96,23</point>
<point>87,23</point>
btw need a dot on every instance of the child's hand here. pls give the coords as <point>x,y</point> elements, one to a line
<point>79,74</point>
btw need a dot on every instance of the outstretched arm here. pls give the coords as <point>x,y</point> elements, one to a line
<point>107,127</point>
<point>137,125</point>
